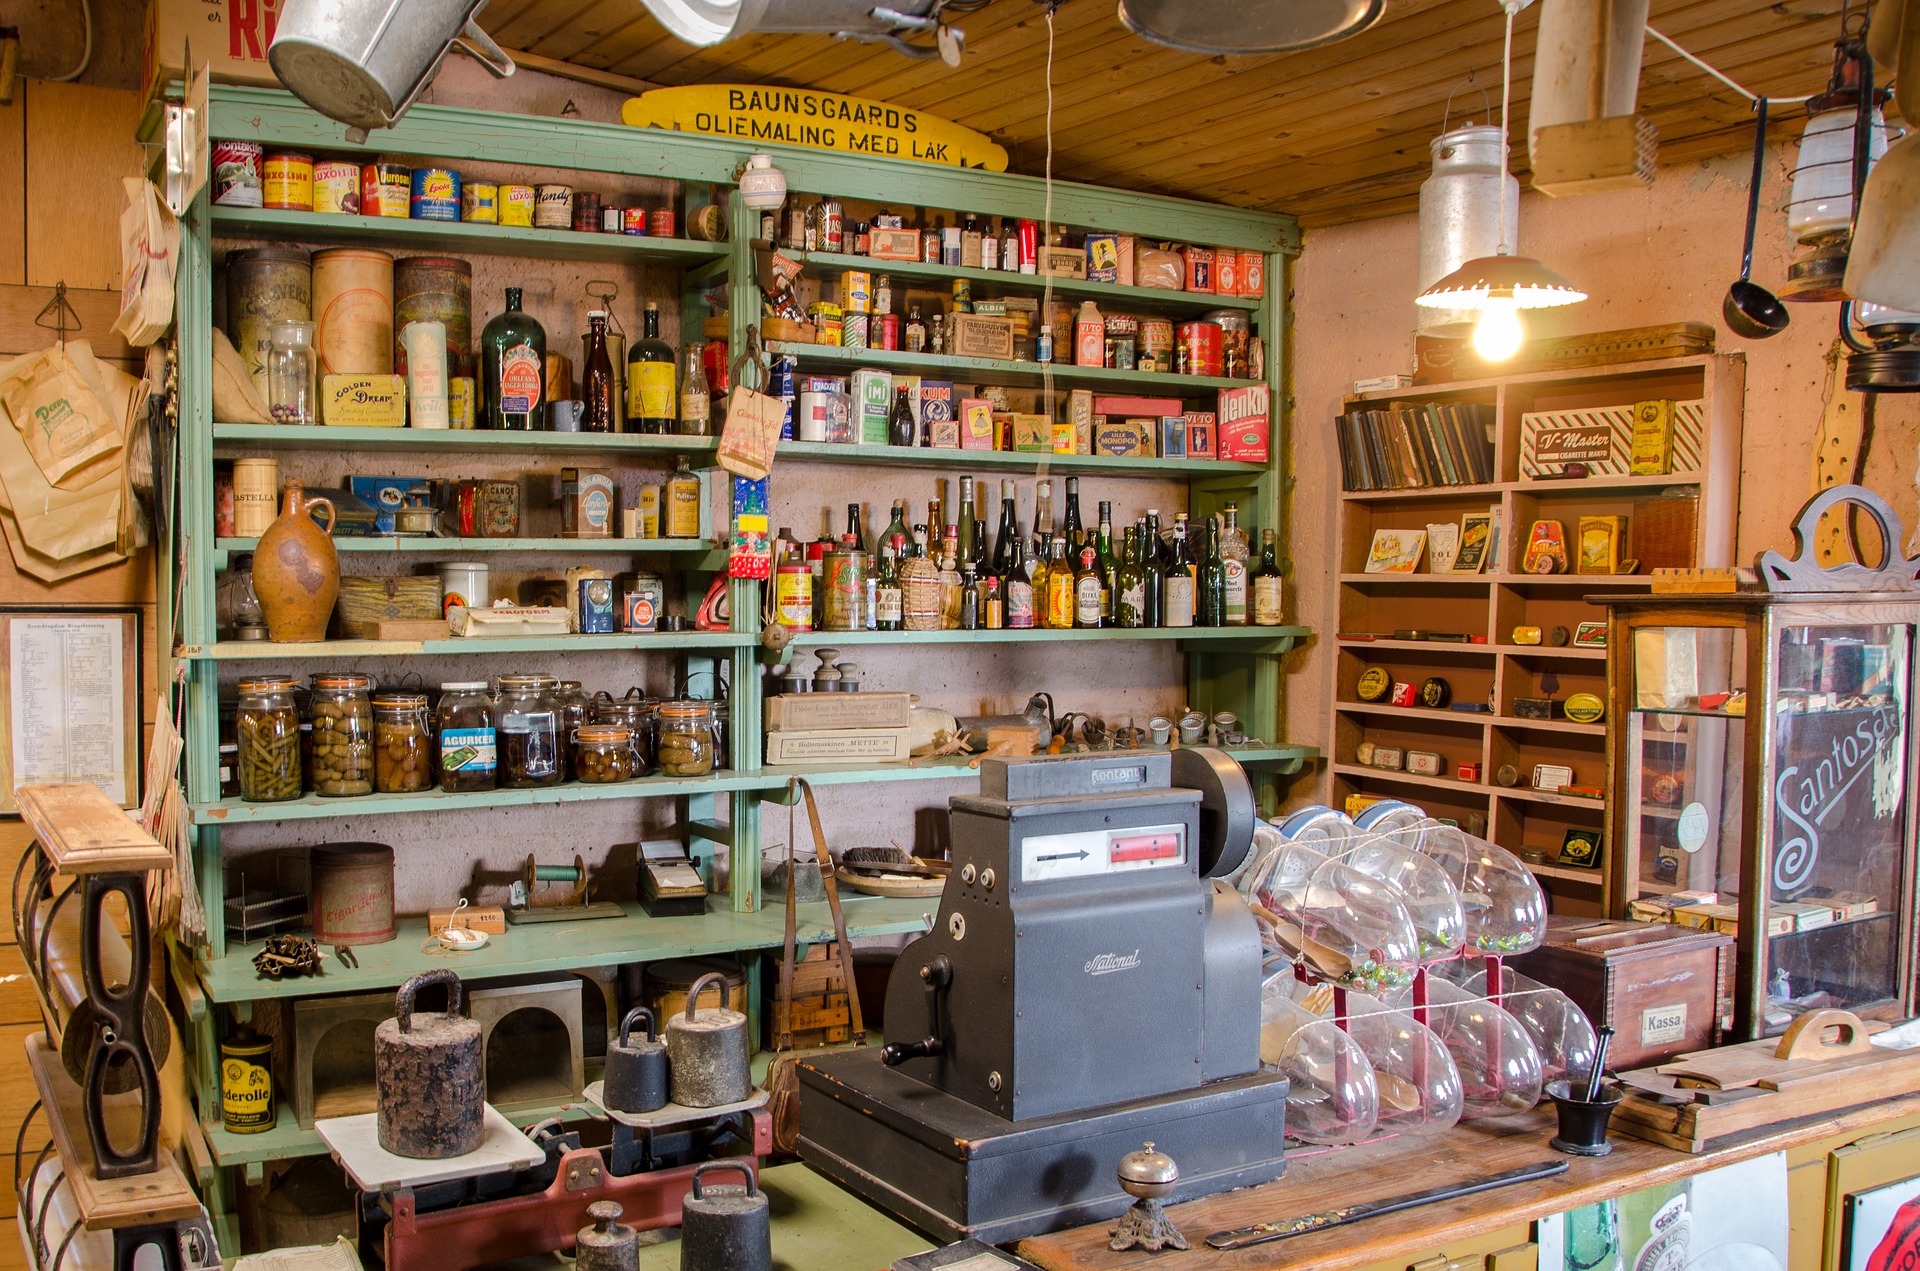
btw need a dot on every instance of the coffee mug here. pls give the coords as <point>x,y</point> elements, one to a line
<point>566,415</point>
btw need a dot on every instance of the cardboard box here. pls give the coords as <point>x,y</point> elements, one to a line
<point>1243,431</point>
<point>936,403</point>
<point>1032,433</point>
<point>589,504</point>
<point>1150,406</point>
<point>364,401</point>
<point>944,434</point>
<point>1063,262</point>
<point>976,424</point>
<point>1598,548</point>
<point>1201,442</point>
<point>1173,436</point>
<point>1080,412</point>
<point>1806,917</point>
<point>840,745</point>
<point>804,712</point>
<point>1103,258</point>
<point>230,36</point>
<point>1123,438</point>
<point>971,335</point>
<point>384,495</point>
<point>894,244</point>
<point>872,403</point>
<point>1063,440</point>
<point>1651,451</point>
<point>1199,268</point>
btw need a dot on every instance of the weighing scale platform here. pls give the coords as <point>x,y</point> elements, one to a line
<point>955,1170</point>
<point>355,1143</point>
<point>668,1115</point>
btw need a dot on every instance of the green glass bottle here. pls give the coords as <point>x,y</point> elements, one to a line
<point>1213,582</point>
<point>1108,565</point>
<point>1268,585</point>
<point>1130,596</point>
<point>513,370</point>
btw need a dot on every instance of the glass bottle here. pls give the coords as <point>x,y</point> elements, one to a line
<point>1212,589</point>
<point>855,530</point>
<point>682,498</point>
<point>989,245</point>
<point>1107,563</point>
<point>1040,542</point>
<point>687,738</point>
<point>1149,535</point>
<point>696,403</point>
<point>1043,347</point>
<point>1268,603</point>
<point>896,531</point>
<point>886,593</point>
<point>342,719</point>
<point>1070,525</point>
<point>575,711</point>
<point>467,743</point>
<point>236,604</point>
<point>966,521</point>
<point>1008,534</point>
<point>900,422</point>
<point>1018,586</point>
<point>950,578</point>
<point>529,728</point>
<point>1234,551</point>
<point>883,293</point>
<point>970,602</point>
<point>596,379</point>
<point>513,370</point>
<point>1059,602</point>
<point>993,605</point>
<point>1087,590</point>
<point>1010,246</point>
<point>651,400</point>
<point>916,333</point>
<point>292,396</point>
<point>1177,585</point>
<point>402,743</point>
<point>1130,592</point>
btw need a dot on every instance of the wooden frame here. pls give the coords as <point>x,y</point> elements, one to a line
<point>127,659</point>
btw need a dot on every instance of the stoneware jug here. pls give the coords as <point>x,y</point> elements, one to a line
<point>296,571</point>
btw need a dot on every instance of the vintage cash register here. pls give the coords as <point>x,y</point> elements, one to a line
<point>1086,986</point>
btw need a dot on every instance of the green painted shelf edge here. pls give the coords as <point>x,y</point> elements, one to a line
<point>949,768</point>
<point>1241,639</point>
<point>1019,461</point>
<point>334,650</point>
<point>451,546</point>
<point>985,370</point>
<point>321,437</point>
<point>561,946</point>
<point>820,263</point>
<point>236,811</point>
<point>403,235</point>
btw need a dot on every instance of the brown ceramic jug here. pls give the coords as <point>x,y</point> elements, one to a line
<point>296,570</point>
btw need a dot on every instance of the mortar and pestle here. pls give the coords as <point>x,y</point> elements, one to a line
<point>1586,1107</point>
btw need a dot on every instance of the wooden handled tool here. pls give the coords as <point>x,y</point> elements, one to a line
<point>1261,1233</point>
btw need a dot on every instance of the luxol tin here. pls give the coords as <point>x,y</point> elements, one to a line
<point>336,187</point>
<point>516,205</point>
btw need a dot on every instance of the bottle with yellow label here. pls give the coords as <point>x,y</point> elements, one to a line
<point>246,1083</point>
<point>1058,611</point>
<point>683,502</point>
<point>652,402</point>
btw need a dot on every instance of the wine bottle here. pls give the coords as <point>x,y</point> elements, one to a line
<point>651,400</point>
<point>513,369</point>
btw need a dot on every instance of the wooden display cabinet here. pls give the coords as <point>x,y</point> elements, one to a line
<point>1688,514</point>
<point>1765,754</point>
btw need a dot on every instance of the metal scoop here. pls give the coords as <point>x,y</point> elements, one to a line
<point>1750,310</point>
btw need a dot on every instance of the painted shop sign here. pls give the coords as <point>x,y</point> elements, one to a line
<point>816,120</point>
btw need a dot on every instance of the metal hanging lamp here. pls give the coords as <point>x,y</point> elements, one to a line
<point>1249,26</point>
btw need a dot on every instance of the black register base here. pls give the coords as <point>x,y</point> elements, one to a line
<point>954,1170</point>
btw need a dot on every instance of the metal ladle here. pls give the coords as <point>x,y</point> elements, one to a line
<point>1750,310</point>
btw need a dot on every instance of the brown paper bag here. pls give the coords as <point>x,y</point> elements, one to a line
<point>45,568</point>
<point>235,400</point>
<point>149,250</point>
<point>64,425</point>
<point>61,524</point>
<point>752,433</point>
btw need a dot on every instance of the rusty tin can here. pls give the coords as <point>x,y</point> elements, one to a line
<point>352,886</point>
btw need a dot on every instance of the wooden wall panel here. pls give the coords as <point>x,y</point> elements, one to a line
<point>13,187</point>
<point>79,144</point>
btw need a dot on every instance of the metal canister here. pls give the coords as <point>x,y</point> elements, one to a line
<point>639,599</point>
<point>352,901</point>
<point>1156,341</point>
<point>1236,329</point>
<point>854,329</point>
<point>962,296</point>
<point>336,187</point>
<point>386,189</point>
<point>613,220</point>
<point>793,597</point>
<point>708,223</point>
<point>660,222</point>
<point>435,195</point>
<point>726,1226</point>
<point>608,1245</point>
<point>833,226</point>
<point>633,220</point>
<point>265,285</point>
<point>1200,351</point>
<point>884,331</point>
<point>236,177</point>
<point>636,1072</point>
<point>256,493</point>
<point>435,289</point>
<point>1460,214</point>
<point>353,311</point>
<point>708,1052</point>
<point>429,1086</point>
<point>287,181</point>
<point>480,202</point>
<point>246,1083</point>
<point>553,206</point>
<point>844,589</point>
<point>586,212</point>
<point>516,205</point>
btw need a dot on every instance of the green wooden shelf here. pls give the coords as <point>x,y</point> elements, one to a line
<point>1241,639</point>
<point>347,440</point>
<point>450,546</point>
<point>336,650</point>
<point>398,235</point>
<point>1005,460</point>
<point>287,1140</point>
<point>1156,299</point>
<point>237,811</point>
<point>994,371</point>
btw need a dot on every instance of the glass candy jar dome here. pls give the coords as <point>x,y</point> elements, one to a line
<point>1501,901</point>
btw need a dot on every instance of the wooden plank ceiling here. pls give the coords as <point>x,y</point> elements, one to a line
<point>1333,134</point>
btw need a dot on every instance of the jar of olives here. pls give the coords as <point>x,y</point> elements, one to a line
<point>342,734</point>
<point>603,753</point>
<point>468,755</point>
<point>635,713</point>
<point>574,712</point>
<point>686,747</point>
<point>528,718</point>
<point>402,743</point>
<point>267,740</point>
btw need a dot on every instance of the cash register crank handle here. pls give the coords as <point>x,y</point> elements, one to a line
<point>1261,1233</point>
<point>937,973</point>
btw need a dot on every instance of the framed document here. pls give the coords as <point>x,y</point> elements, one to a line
<point>72,687</point>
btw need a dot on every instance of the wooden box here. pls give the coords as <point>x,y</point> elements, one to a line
<point>820,1012</point>
<point>367,601</point>
<point>796,711</point>
<point>1591,155</point>
<point>1663,988</point>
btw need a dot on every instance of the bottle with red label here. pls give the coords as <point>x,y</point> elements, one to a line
<point>513,361</point>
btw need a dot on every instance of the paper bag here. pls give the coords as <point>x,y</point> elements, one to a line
<point>59,524</point>
<point>752,433</point>
<point>46,569</point>
<point>65,426</point>
<point>235,399</point>
<point>149,250</point>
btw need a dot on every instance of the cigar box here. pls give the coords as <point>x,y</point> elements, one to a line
<point>364,401</point>
<point>802,712</point>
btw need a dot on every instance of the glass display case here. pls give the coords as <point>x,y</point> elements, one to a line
<point>1761,760</point>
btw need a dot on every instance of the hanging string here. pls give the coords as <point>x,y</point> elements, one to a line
<point>1716,73</point>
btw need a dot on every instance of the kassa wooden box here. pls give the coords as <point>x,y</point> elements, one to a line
<point>1663,988</point>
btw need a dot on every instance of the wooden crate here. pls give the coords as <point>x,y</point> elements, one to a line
<point>1663,988</point>
<point>821,1016</point>
<point>1438,361</point>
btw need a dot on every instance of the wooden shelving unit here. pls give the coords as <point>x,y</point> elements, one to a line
<point>1487,606</point>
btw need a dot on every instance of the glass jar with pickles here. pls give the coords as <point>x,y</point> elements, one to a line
<point>575,712</point>
<point>687,746</point>
<point>603,753</point>
<point>528,716</point>
<point>634,712</point>
<point>402,743</point>
<point>267,740</point>
<point>342,716</point>
<point>468,750</point>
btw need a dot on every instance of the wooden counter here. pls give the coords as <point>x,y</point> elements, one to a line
<point>1322,1178</point>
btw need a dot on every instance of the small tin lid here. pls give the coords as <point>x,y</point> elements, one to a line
<point>276,683</point>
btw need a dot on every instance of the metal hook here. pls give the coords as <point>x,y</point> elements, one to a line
<point>62,312</point>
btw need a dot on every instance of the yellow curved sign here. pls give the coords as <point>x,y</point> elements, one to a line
<point>820,121</point>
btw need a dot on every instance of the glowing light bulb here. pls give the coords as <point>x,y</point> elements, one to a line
<point>1499,334</point>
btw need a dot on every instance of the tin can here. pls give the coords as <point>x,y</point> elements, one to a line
<point>1156,339</point>
<point>352,893</point>
<point>889,331</point>
<point>649,511</point>
<point>1226,271</point>
<point>386,189</point>
<point>793,597</point>
<point>1236,331</point>
<point>256,489</point>
<point>833,226</point>
<point>236,173</point>
<point>639,596</point>
<point>246,1083</point>
<point>586,212</point>
<point>516,205</point>
<point>708,223</point>
<point>553,206</point>
<point>613,220</point>
<point>463,584</point>
<point>853,330</point>
<point>480,203</point>
<point>660,222</point>
<point>265,285</point>
<point>287,181</point>
<point>435,289</point>
<point>336,187</point>
<point>780,384</point>
<point>1201,350</point>
<point>826,317</point>
<point>436,194</point>
<point>843,590</point>
<point>1253,273</point>
<point>856,291</point>
<point>633,220</point>
<point>962,296</point>
<point>353,311</point>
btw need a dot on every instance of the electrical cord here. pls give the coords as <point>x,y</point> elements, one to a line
<point>1721,76</point>
<point>86,50</point>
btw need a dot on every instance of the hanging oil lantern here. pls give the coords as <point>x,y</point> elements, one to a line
<point>1460,216</point>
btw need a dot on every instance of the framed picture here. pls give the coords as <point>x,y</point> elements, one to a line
<point>1590,635</point>
<point>72,686</point>
<point>1443,547</point>
<point>1396,551</point>
<point>1476,536</point>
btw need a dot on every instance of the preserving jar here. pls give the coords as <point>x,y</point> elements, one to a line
<point>529,729</point>
<point>603,753</point>
<point>402,743</point>
<point>633,712</point>
<point>469,758</point>
<point>342,734</point>
<point>575,713</point>
<point>687,746</point>
<point>267,740</point>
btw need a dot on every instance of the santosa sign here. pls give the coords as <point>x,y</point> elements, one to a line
<point>821,121</point>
